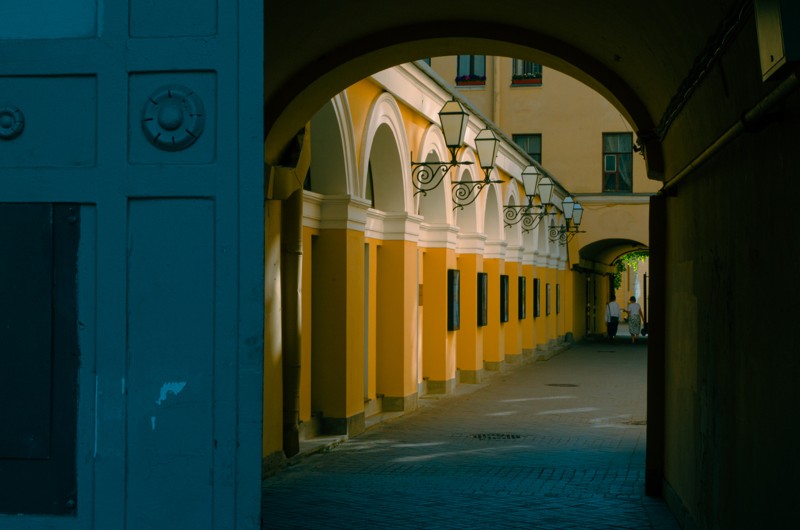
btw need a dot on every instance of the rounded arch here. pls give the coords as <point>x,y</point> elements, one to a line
<point>469,218</point>
<point>513,233</point>
<point>492,214</point>
<point>329,63</point>
<point>434,205</point>
<point>333,155</point>
<point>385,157</point>
<point>607,251</point>
<point>542,239</point>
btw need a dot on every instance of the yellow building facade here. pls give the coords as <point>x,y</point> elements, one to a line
<point>383,271</point>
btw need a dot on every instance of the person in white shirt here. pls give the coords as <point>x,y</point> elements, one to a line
<point>635,319</point>
<point>612,317</point>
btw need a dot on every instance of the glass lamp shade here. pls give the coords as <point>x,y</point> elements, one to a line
<point>486,145</point>
<point>568,205</point>
<point>454,120</point>
<point>577,214</point>
<point>546,190</point>
<point>530,177</point>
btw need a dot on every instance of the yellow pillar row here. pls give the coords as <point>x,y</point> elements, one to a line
<point>337,329</point>
<point>396,361</point>
<point>438,344</point>
<point>527,325</point>
<point>513,328</point>
<point>493,336</point>
<point>469,339</point>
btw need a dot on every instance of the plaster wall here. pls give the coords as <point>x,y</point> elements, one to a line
<point>493,338</point>
<point>569,115</point>
<point>513,328</point>
<point>527,325</point>
<point>396,319</point>
<point>730,371</point>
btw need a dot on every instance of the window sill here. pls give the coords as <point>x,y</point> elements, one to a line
<point>527,82</point>
<point>470,83</point>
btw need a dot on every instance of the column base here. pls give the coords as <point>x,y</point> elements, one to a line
<point>399,404</point>
<point>470,377</point>
<point>440,387</point>
<point>351,426</point>
<point>493,366</point>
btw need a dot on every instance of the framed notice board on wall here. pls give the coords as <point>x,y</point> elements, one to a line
<point>453,299</point>
<point>521,292</point>
<point>483,296</point>
<point>503,298</point>
<point>537,305</point>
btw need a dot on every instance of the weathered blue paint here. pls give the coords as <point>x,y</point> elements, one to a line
<point>45,19</point>
<point>170,264</point>
<point>170,331</point>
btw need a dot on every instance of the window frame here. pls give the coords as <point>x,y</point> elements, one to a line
<point>616,156</point>
<point>472,77</point>
<point>525,73</point>
<point>526,136</point>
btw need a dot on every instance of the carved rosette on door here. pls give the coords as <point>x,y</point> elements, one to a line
<point>173,118</point>
<point>11,122</point>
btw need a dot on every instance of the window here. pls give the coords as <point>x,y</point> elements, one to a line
<point>483,299</point>
<point>504,297</point>
<point>526,73</point>
<point>618,162</point>
<point>471,70</point>
<point>453,299</point>
<point>531,144</point>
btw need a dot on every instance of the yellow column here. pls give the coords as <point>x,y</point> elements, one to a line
<point>396,325</point>
<point>371,393</point>
<point>551,319</point>
<point>305,352</point>
<point>540,323</point>
<point>337,337</point>
<point>469,339</point>
<point>438,344</point>
<point>527,325</point>
<point>493,336</point>
<point>513,328</point>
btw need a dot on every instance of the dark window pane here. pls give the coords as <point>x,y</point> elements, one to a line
<point>479,68</point>
<point>618,162</point>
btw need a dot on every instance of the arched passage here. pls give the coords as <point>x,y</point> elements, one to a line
<point>392,38</point>
<point>651,76</point>
<point>333,160</point>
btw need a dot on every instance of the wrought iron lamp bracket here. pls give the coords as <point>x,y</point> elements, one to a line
<point>466,191</point>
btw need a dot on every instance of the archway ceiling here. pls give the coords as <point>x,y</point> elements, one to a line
<point>606,251</point>
<point>636,54</point>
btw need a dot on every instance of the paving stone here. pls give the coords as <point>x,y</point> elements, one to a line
<point>519,450</point>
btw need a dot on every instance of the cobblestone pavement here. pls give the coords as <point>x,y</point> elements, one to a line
<point>548,445</point>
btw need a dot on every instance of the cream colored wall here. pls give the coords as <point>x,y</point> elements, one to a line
<point>614,221</point>
<point>570,116</point>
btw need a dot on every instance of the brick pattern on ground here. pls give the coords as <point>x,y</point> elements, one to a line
<point>547,445</point>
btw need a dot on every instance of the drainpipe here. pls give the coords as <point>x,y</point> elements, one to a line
<point>291,316</point>
<point>750,121</point>
<point>496,92</point>
<point>285,183</point>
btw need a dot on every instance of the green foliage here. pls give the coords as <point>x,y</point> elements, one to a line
<point>630,260</point>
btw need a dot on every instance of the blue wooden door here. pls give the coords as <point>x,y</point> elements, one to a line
<point>145,119</point>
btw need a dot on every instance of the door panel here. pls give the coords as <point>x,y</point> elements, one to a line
<point>38,357</point>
